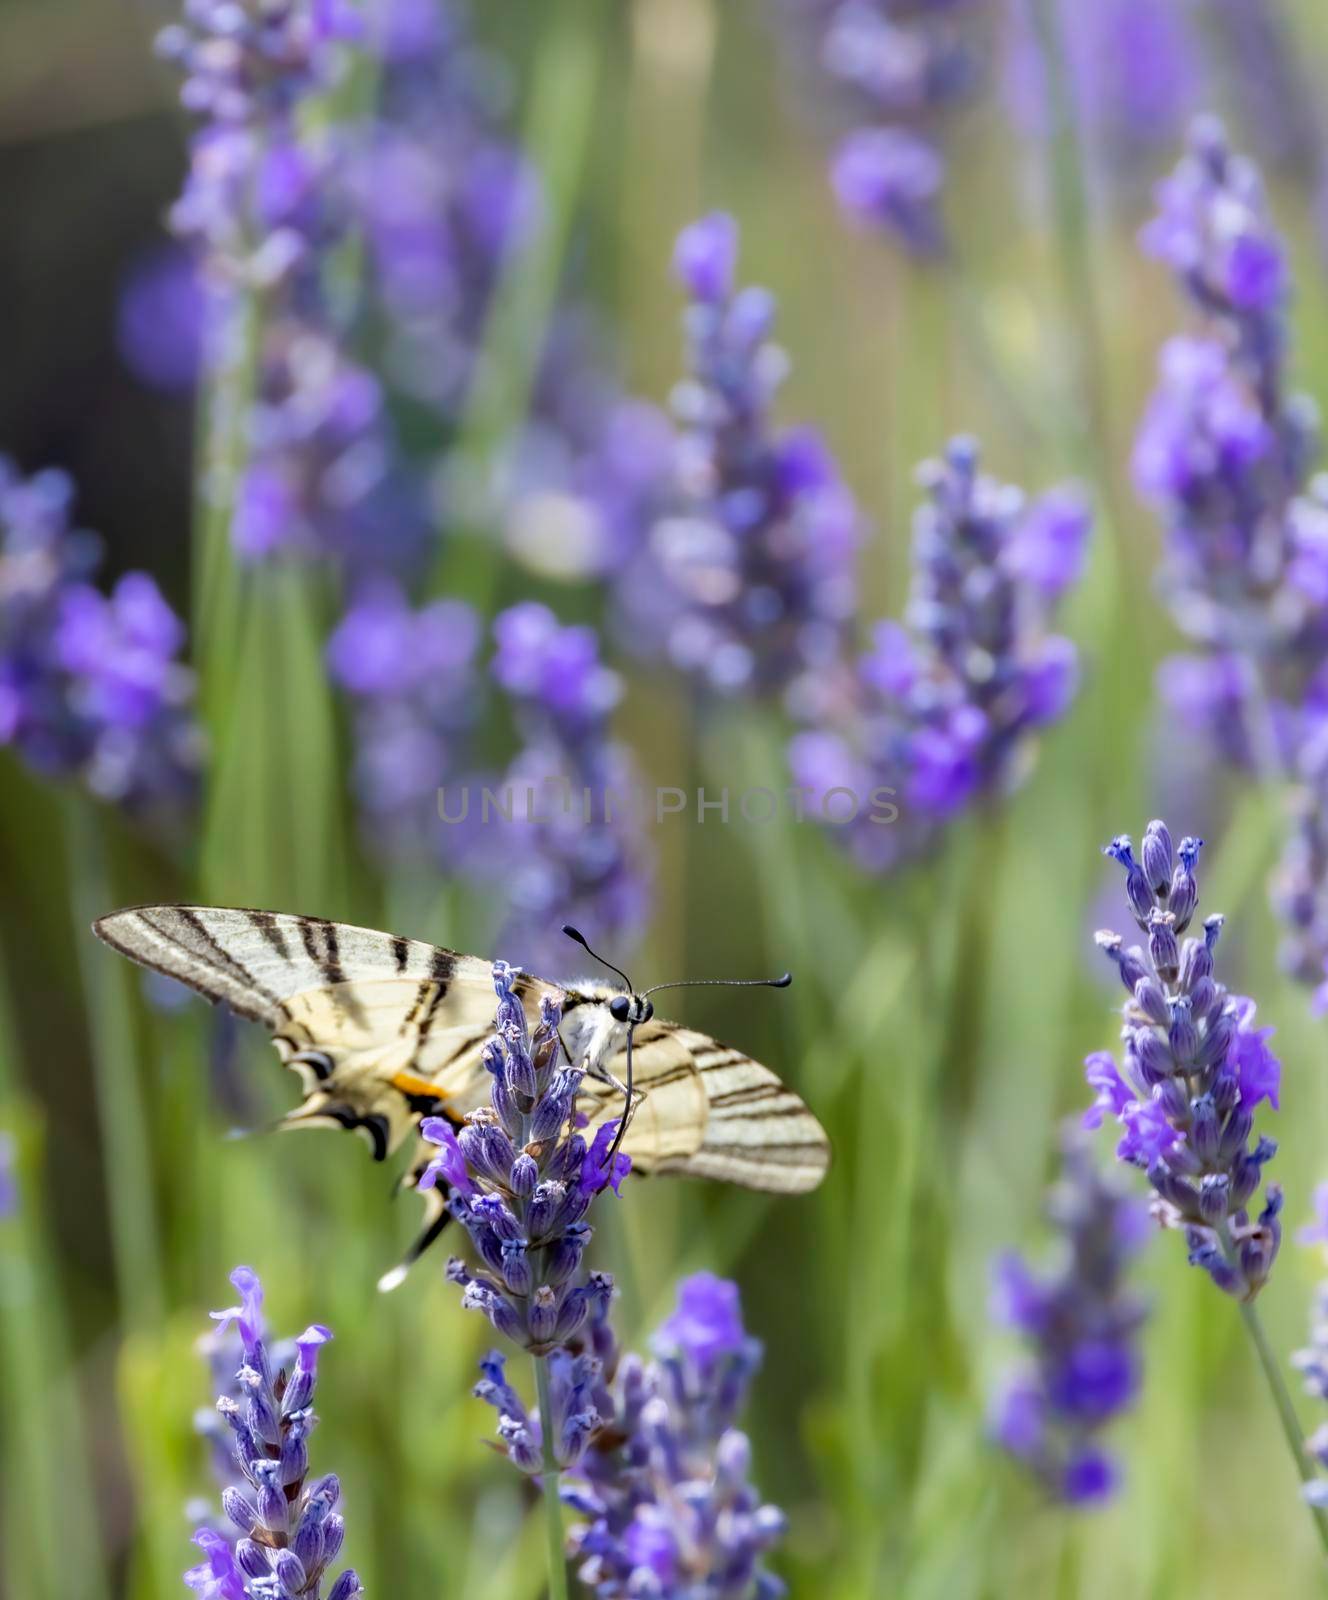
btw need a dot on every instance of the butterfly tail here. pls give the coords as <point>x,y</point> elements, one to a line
<point>436,1218</point>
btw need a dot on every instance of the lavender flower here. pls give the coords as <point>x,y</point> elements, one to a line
<point>290,1531</point>
<point>899,72</point>
<point>757,555</point>
<point>1224,453</point>
<point>265,208</point>
<point>448,204</point>
<point>414,686</point>
<point>90,684</point>
<point>9,1194</point>
<point>1134,70</point>
<point>573,849</point>
<point>521,1180</point>
<point>445,198</point>
<point>1194,1069</point>
<point>1312,1361</point>
<point>663,1483</point>
<point>941,711</point>
<point>159,324</point>
<point>1081,1323</point>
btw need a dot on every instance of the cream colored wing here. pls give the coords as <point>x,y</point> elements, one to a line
<point>710,1111</point>
<point>381,1029</point>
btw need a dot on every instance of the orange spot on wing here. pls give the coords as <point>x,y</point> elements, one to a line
<point>412,1083</point>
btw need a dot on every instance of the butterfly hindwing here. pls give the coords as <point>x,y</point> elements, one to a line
<point>710,1111</point>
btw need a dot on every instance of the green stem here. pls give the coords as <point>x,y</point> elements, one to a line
<point>1286,1410</point>
<point>553,1511</point>
<point>121,1105</point>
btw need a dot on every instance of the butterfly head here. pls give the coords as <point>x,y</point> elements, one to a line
<point>631,1009</point>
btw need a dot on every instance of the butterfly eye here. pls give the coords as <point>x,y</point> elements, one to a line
<point>620,1007</point>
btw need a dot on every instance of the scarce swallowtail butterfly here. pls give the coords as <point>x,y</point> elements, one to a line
<point>384,1031</point>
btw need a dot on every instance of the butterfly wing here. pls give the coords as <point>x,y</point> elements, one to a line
<point>710,1111</point>
<point>381,1029</point>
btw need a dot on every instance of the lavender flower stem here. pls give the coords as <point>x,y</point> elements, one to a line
<point>223,449</point>
<point>121,1110</point>
<point>1286,1411</point>
<point>560,125</point>
<point>1073,231</point>
<point>549,1485</point>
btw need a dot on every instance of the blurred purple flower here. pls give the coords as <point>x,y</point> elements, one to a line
<point>706,1325</point>
<point>412,677</point>
<point>1135,70</point>
<point>573,849</point>
<point>1312,1361</point>
<point>748,581</point>
<point>160,320</point>
<point>897,74</point>
<point>90,684</point>
<point>662,1484</point>
<point>1224,452</point>
<point>941,711</point>
<point>1081,1324</point>
<point>890,178</point>
<point>9,1194</point>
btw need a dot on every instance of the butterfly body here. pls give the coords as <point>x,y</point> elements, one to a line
<point>384,1030</point>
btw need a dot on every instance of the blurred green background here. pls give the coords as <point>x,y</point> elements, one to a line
<point>939,1017</point>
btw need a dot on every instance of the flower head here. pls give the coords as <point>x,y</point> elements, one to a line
<point>91,686</point>
<point>1192,1071</point>
<point>943,709</point>
<point>1224,454</point>
<point>748,582</point>
<point>522,1180</point>
<point>662,1486</point>
<point>284,1530</point>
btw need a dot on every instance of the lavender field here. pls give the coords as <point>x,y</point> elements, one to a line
<point>701,491</point>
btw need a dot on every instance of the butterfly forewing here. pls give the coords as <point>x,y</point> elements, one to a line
<point>369,1020</point>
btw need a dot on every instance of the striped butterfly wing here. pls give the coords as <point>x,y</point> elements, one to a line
<point>709,1111</point>
<point>381,1029</point>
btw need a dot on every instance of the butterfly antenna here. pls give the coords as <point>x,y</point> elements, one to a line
<point>781,982</point>
<point>580,938</point>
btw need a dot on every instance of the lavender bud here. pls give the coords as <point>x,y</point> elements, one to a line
<point>1196,962</point>
<point>334,1532</point>
<point>1162,947</point>
<point>1213,1193</point>
<point>543,1318</point>
<point>1205,1130</point>
<point>563,1259</point>
<point>1152,1001</point>
<point>1239,1125</point>
<point>237,1506</point>
<point>290,1572</point>
<point>545,1205</point>
<point>1156,858</point>
<point>1153,1054</point>
<point>515,1267</point>
<point>1182,1035</point>
<point>525,1175</point>
<point>252,1558</point>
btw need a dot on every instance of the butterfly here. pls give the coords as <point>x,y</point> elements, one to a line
<point>384,1031</point>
